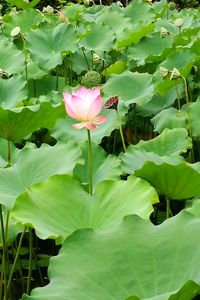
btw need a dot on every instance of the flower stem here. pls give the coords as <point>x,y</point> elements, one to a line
<point>167,207</point>
<point>85,58</point>
<point>28,288</point>
<point>191,154</point>
<point>90,162</point>
<point>187,107</point>
<point>4,262</point>
<point>178,97</point>
<point>120,130</point>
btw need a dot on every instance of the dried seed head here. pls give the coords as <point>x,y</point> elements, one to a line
<point>112,103</point>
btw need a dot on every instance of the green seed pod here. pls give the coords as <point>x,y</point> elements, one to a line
<point>91,79</point>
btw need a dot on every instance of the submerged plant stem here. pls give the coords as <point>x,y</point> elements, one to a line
<point>90,163</point>
<point>121,131</point>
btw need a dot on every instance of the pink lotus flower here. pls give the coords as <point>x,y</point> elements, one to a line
<point>84,105</point>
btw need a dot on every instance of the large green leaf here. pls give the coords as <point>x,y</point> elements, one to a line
<point>131,87</point>
<point>17,123</point>
<point>11,59</point>
<point>149,48</point>
<point>115,19</point>
<point>104,167</point>
<point>100,37</point>
<point>59,206</point>
<point>169,118</point>
<point>35,165</point>
<point>47,44</point>
<point>23,4</point>
<point>139,11</point>
<point>13,91</point>
<point>134,259</point>
<point>24,19</point>
<point>167,147</point>
<point>177,182</point>
<point>182,59</point>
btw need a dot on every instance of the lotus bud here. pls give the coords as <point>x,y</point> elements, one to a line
<point>91,79</point>
<point>175,74</point>
<point>178,22</point>
<point>63,18</point>
<point>119,4</point>
<point>15,31</point>
<point>164,72</point>
<point>163,32</point>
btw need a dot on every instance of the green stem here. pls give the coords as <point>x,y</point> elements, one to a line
<point>16,259</point>
<point>168,210</point>
<point>28,288</point>
<point>85,58</point>
<point>191,154</point>
<point>25,61</point>
<point>121,131</point>
<point>178,97</point>
<point>90,162</point>
<point>4,262</point>
<point>114,142</point>
<point>65,70</point>
<point>57,84</point>
<point>187,107</point>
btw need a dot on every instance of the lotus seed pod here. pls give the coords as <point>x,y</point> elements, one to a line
<point>164,71</point>
<point>163,32</point>
<point>91,79</point>
<point>15,31</point>
<point>175,74</point>
<point>178,22</point>
<point>172,5</point>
